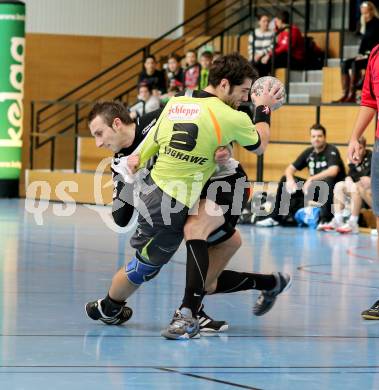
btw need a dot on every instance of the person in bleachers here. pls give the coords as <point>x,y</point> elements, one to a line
<point>152,76</point>
<point>175,74</point>
<point>261,45</point>
<point>192,72</point>
<point>205,63</point>
<point>352,190</point>
<point>324,164</point>
<point>147,102</point>
<point>282,43</point>
<point>351,68</point>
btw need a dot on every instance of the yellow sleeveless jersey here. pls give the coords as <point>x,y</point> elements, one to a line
<point>186,136</point>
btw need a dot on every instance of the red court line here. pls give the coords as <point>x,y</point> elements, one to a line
<point>352,254</point>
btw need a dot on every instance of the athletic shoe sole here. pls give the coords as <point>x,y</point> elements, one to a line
<point>108,323</point>
<point>223,328</point>
<point>184,336</point>
<point>368,317</point>
<point>289,284</point>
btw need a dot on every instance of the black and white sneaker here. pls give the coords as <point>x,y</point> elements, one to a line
<point>94,311</point>
<point>372,313</point>
<point>209,325</point>
<point>266,299</point>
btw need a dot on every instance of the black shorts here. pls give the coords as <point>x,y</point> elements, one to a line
<point>232,194</point>
<point>159,231</point>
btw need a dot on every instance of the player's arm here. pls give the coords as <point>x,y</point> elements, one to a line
<point>289,173</point>
<point>365,115</point>
<point>299,164</point>
<point>122,206</point>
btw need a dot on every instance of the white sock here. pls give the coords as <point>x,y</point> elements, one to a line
<point>353,219</point>
<point>338,217</point>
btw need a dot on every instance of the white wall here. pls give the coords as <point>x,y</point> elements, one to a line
<point>117,18</point>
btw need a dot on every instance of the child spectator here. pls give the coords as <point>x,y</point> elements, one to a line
<point>192,72</point>
<point>152,77</point>
<point>175,74</point>
<point>147,102</point>
<point>205,62</point>
<point>282,43</point>
<point>261,45</point>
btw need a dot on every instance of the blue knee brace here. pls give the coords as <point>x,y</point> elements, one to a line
<point>138,272</point>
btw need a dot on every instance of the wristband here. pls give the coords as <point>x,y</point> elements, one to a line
<point>262,114</point>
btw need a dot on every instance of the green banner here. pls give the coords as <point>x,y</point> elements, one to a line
<point>12,50</point>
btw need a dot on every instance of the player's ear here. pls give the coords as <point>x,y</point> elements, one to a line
<point>224,84</point>
<point>116,124</point>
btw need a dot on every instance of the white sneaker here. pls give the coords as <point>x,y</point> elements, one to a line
<point>267,222</point>
<point>348,228</point>
<point>374,232</point>
<point>329,226</point>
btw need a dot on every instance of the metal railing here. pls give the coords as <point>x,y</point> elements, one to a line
<point>65,116</point>
<point>118,82</point>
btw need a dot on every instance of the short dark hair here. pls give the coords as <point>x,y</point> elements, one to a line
<point>149,56</point>
<point>233,67</point>
<point>207,54</point>
<point>174,56</point>
<point>318,126</point>
<point>145,85</point>
<point>109,111</point>
<point>260,16</point>
<point>284,16</point>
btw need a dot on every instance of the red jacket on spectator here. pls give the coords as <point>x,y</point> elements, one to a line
<point>370,90</point>
<point>297,42</point>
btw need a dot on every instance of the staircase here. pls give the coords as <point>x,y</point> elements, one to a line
<point>64,120</point>
<point>306,86</point>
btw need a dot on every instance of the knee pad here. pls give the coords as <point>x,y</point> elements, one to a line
<point>138,271</point>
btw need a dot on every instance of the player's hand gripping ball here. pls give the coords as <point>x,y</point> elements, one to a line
<point>273,82</point>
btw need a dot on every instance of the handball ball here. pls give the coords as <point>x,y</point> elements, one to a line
<point>257,89</point>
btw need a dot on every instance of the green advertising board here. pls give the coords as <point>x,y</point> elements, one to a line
<point>12,50</point>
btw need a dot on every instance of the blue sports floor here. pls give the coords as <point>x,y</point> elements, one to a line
<point>313,338</point>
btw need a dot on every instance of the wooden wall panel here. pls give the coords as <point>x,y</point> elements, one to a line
<point>280,73</point>
<point>54,64</point>
<point>339,121</point>
<point>87,193</point>
<point>191,7</point>
<point>331,84</point>
<point>277,158</point>
<point>292,123</point>
<point>244,43</point>
<point>89,156</point>
<point>334,42</point>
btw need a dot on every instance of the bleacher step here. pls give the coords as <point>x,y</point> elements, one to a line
<point>311,88</point>
<point>334,62</point>
<point>350,51</point>
<point>306,76</point>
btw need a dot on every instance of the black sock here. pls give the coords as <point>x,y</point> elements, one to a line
<point>111,307</point>
<point>231,281</point>
<point>196,272</point>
